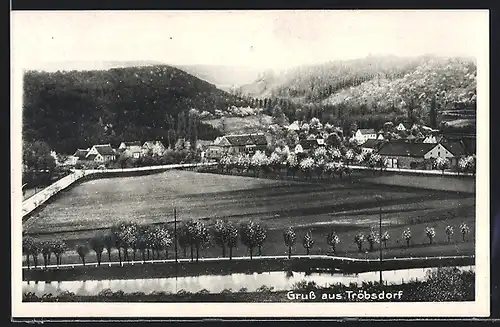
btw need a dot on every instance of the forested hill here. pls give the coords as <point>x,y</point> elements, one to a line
<point>376,89</point>
<point>75,109</point>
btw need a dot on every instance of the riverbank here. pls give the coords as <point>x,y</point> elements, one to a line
<point>224,266</point>
<point>443,284</point>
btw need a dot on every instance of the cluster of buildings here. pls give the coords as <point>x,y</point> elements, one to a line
<point>235,144</point>
<point>400,153</point>
<point>104,153</point>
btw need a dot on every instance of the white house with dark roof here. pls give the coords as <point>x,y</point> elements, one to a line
<point>234,144</point>
<point>430,139</point>
<point>401,127</point>
<point>101,153</point>
<point>362,135</point>
<point>401,154</point>
<point>155,148</point>
<point>79,155</point>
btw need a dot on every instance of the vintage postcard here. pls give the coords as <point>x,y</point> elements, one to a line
<point>250,163</point>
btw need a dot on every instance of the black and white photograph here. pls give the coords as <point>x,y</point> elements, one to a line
<point>291,163</point>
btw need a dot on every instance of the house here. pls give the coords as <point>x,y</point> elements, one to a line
<point>78,156</point>
<point>155,148</point>
<point>362,135</point>
<point>132,149</point>
<point>380,137</point>
<point>308,145</point>
<point>298,149</point>
<point>458,149</point>
<point>412,155</point>
<point>294,126</point>
<point>430,139</point>
<point>125,145</point>
<point>101,153</point>
<point>401,127</point>
<point>234,144</point>
<point>371,145</point>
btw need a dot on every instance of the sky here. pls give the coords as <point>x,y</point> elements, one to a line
<point>258,39</point>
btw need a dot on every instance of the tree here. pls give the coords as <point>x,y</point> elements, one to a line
<point>306,166</point>
<point>292,163</point>
<point>142,240</point>
<point>333,239</point>
<point>35,252</point>
<point>126,235</point>
<point>279,118</point>
<point>82,251</point>
<point>385,237</point>
<point>433,113</point>
<point>308,242</point>
<point>319,157</point>
<point>231,237</point>
<point>116,237</point>
<point>441,164</point>
<point>471,164</point>
<point>36,156</point>
<point>359,239</point>
<point>250,234</point>
<point>407,236</point>
<point>449,232</point>
<point>219,232</point>
<point>464,230</point>
<point>290,238</point>
<point>431,233</point>
<point>97,244</point>
<point>259,160</point>
<point>58,247</point>
<point>46,252</point>
<point>260,235</point>
<point>198,235</point>
<point>109,243</point>
<point>183,238</point>
<point>28,245</point>
<point>162,240</point>
<point>372,238</point>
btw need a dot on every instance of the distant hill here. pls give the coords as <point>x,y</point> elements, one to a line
<point>90,65</point>
<point>374,88</point>
<point>224,77</point>
<point>80,108</point>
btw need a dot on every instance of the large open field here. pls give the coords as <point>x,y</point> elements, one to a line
<point>317,206</point>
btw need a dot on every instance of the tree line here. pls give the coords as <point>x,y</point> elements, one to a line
<point>148,242</point>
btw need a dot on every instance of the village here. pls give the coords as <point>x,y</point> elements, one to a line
<point>400,146</point>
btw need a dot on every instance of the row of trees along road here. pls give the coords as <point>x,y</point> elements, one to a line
<point>151,240</point>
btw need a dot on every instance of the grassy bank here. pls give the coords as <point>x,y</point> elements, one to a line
<point>445,284</point>
<point>237,265</point>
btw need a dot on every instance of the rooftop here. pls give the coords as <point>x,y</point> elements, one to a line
<point>404,149</point>
<point>366,131</point>
<point>246,139</point>
<point>104,149</point>
<point>372,143</point>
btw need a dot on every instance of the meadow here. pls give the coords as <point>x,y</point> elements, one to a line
<point>319,207</point>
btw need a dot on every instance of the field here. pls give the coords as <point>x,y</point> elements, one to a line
<point>347,208</point>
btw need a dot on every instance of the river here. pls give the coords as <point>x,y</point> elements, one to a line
<point>216,283</point>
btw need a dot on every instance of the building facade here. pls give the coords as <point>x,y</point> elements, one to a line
<point>362,135</point>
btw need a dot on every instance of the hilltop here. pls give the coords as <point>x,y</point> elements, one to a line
<point>68,110</point>
<point>374,89</point>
